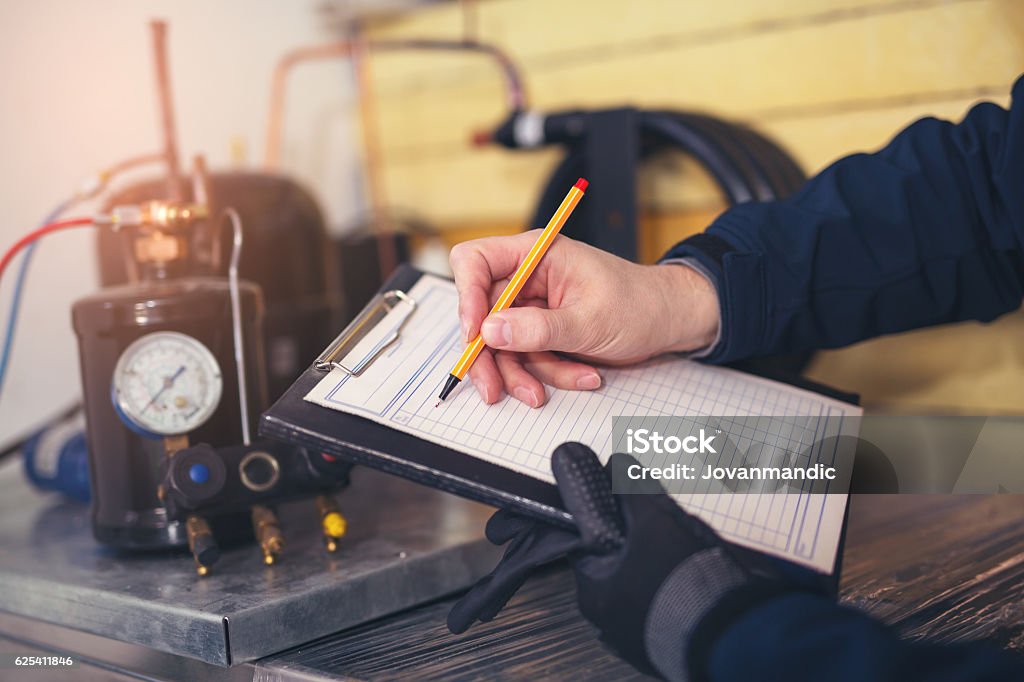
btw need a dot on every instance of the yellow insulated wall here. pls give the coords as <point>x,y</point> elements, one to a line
<point>822,77</point>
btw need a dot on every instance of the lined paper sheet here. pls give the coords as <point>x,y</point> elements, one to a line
<point>399,389</point>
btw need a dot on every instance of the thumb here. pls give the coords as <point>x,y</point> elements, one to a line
<point>531,329</point>
<point>586,492</point>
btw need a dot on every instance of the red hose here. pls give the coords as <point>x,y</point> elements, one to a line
<point>36,234</point>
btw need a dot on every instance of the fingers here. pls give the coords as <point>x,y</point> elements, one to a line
<point>476,265</point>
<point>586,491</point>
<point>534,545</point>
<point>519,383</point>
<point>485,599</point>
<point>505,525</point>
<point>618,470</point>
<point>523,375</point>
<point>486,378</point>
<point>532,329</point>
<point>472,310</point>
<point>561,373</point>
<point>533,293</point>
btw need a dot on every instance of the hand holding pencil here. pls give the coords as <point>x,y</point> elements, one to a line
<point>517,282</point>
<point>579,301</point>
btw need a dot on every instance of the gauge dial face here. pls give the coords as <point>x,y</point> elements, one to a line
<point>167,384</point>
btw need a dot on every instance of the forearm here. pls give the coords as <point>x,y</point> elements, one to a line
<point>926,231</point>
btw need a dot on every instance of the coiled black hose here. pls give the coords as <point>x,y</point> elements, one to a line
<point>745,165</point>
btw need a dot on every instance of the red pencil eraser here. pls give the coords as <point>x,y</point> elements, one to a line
<point>581,184</point>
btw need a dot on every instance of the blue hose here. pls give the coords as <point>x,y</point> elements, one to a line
<point>19,286</point>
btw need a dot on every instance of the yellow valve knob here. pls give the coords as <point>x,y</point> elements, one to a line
<point>332,522</point>
<point>334,525</point>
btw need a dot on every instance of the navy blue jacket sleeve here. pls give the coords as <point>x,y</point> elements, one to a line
<point>928,230</point>
<point>807,637</point>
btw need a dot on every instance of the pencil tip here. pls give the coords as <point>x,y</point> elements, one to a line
<point>437,404</point>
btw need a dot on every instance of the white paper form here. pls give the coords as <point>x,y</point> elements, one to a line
<point>399,389</point>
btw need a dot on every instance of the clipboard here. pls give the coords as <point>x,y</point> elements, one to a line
<point>362,441</point>
<point>359,440</point>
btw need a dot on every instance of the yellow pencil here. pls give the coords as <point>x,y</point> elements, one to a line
<point>515,285</point>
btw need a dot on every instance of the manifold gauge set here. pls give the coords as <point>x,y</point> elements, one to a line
<point>174,361</point>
<point>173,376</point>
<point>166,383</point>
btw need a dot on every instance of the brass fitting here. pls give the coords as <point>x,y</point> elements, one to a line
<point>332,522</point>
<point>201,543</point>
<point>163,215</point>
<point>159,247</point>
<point>173,444</point>
<point>171,215</point>
<point>161,237</point>
<point>159,214</point>
<point>268,533</point>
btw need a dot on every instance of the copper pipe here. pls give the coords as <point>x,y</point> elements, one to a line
<point>166,108</point>
<point>515,93</point>
<point>278,85</point>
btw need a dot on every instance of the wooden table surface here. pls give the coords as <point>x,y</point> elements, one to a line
<point>946,567</point>
<point>940,566</point>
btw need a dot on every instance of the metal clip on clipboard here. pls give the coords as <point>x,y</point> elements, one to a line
<point>337,353</point>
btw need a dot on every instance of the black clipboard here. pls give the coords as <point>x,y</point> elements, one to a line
<point>362,441</point>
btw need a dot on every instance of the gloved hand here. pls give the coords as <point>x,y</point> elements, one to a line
<point>657,582</point>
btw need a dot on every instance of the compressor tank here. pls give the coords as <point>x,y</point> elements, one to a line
<point>287,253</point>
<point>125,465</point>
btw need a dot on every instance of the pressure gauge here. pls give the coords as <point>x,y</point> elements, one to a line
<point>165,384</point>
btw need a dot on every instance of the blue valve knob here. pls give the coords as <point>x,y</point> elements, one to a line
<point>199,473</point>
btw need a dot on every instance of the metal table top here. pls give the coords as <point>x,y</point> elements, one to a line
<point>406,545</point>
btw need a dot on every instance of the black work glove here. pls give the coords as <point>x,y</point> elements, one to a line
<point>657,582</point>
